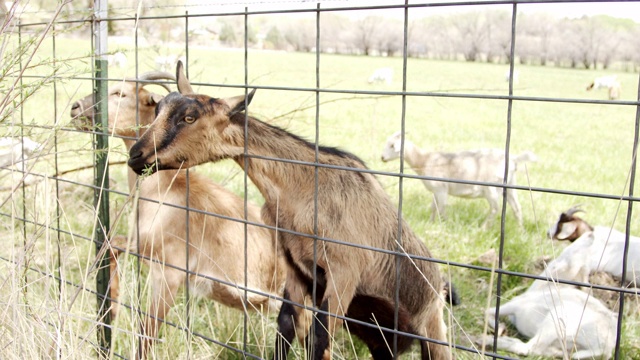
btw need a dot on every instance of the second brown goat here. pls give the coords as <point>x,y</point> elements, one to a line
<point>216,243</point>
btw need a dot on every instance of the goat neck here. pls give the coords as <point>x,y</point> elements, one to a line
<point>414,156</point>
<point>277,177</point>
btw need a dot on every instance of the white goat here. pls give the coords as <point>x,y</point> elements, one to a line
<point>217,245</point>
<point>486,165</point>
<point>602,246</point>
<point>560,321</point>
<point>610,83</point>
<point>14,150</point>
<point>381,75</point>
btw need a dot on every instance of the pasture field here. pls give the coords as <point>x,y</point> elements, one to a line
<point>583,148</point>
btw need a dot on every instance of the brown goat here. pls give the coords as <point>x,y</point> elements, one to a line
<point>351,206</point>
<point>216,245</point>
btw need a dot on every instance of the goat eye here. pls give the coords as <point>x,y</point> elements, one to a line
<point>189,119</point>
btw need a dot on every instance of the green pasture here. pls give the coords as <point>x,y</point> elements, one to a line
<point>584,148</point>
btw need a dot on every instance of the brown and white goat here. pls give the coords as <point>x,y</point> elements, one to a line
<point>216,244</point>
<point>603,244</point>
<point>610,83</point>
<point>348,205</point>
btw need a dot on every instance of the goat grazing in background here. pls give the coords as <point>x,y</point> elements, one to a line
<point>381,75</point>
<point>603,246</point>
<point>516,76</point>
<point>347,205</point>
<point>216,244</point>
<point>486,165</point>
<point>610,83</point>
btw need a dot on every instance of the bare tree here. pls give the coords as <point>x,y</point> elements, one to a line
<point>391,41</point>
<point>418,38</point>
<point>333,28</point>
<point>274,39</point>
<point>366,33</point>
<point>438,36</point>
<point>301,34</point>
<point>586,38</point>
<point>629,50</point>
<point>471,34</point>
<point>498,28</point>
<point>565,48</point>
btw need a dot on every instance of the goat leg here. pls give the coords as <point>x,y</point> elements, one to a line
<point>292,320</point>
<point>114,279</point>
<point>166,283</point>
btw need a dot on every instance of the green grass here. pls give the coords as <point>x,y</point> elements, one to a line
<point>581,147</point>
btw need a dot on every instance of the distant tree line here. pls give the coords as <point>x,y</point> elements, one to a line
<point>593,42</point>
<point>542,39</point>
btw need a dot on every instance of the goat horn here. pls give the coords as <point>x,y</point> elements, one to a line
<point>150,76</point>
<point>574,209</point>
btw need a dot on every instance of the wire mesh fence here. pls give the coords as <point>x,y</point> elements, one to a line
<point>183,263</point>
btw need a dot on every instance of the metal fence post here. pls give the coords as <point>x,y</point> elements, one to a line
<point>101,175</point>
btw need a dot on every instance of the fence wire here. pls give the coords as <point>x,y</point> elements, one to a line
<point>58,219</point>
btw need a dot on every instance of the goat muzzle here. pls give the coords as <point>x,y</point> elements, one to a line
<point>138,163</point>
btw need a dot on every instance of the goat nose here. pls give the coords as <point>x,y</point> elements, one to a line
<point>75,106</point>
<point>135,154</point>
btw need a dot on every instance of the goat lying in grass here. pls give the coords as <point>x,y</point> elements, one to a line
<point>351,206</point>
<point>560,321</point>
<point>476,165</point>
<point>216,245</point>
<point>603,246</point>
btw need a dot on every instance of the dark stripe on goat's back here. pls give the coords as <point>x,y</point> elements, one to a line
<point>239,118</point>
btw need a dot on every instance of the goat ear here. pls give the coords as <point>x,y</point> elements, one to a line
<point>154,99</point>
<point>237,103</point>
<point>568,228</point>
<point>184,87</point>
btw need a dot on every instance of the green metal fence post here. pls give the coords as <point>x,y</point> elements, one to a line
<point>101,178</point>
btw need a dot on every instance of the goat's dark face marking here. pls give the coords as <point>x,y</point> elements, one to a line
<point>176,123</point>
